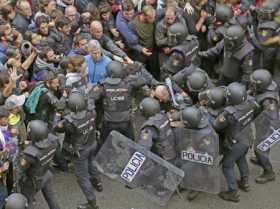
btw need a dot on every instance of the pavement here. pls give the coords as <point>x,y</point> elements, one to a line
<point>116,196</point>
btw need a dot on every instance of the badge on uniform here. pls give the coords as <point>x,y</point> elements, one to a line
<point>23,163</point>
<point>250,62</point>
<point>264,33</point>
<point>145,135</point>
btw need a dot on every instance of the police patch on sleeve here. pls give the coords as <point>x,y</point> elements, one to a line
<point>250,62</point>
<point>23,163</point>
<point>145,135</point>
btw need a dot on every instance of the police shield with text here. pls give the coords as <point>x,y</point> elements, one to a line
<point>132,164</point>
<point>266,92</point>
<point>198,152</point>
<point>35,163</point>
<point>234,122</point>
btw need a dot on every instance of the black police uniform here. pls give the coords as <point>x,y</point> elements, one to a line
<point>235,120</point>
<point>35,165</point>
<point>236,66</point>
<point>156,134</point>
<point>80,143</point>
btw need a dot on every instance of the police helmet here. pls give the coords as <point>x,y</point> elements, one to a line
<point>268,10</point>
<point>149,106</point>
<point>193,117</point>
<point>215,97</point>
<point>16,201</point>
<point>76,102</point>
<point>175,62</point>
<point>261,79</point>
<point>115,69</point>
<point>223,13</point>
<point>234,37</point>
<point>37,130</point>
<point>177,32</point>
<point>197,81</point>
<point>236,93</point>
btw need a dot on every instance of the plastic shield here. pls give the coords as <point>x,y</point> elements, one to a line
<point>267,132</point>
<point>199,159</point>
<point>122,159</point>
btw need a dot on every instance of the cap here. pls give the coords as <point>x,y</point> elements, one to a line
<point>14,101</point>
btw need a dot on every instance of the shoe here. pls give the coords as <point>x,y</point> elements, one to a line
<point>243,184</point>
<point>192,194</point>
<point>88,205</point>
<point>97,184</point>
<point>230,196</point>
<point>255,161</point>
<point>265,177</point>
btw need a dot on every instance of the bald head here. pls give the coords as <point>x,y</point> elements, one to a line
<point>71,13</point>
<point>161,93</point>
<point>96,29</point>
<point>24,8</point>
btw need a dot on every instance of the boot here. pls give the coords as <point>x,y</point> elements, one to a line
<point>192,194</point>
<point>243,184</point>
<point>265,177</point>
<point>97,184</point>
<point>89,205</point>
<point>230,195</point>
<point>255,161</point>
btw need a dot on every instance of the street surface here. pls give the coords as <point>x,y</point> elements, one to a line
<point>116,196</point>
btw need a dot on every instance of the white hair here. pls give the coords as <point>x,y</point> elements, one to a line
<point>93,45</point>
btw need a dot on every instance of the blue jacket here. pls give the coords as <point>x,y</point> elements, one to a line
<point>97,70</point>
<point>3,56</point>
<point>122,25</point>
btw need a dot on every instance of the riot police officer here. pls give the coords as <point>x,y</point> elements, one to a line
<point>214,100</point>
<point>80,144</point>
<point>266,92</point>
<point>235,123</point>
<point>193,80</point>
<point>183,53</point>
<point>35,163</point>
<point>115,93</point>
<point>156,133</point>
<point>16,201</point>
<point>196,135</point>
<point>216,31</point>
<point>267,28</point>
<point>237,53</point>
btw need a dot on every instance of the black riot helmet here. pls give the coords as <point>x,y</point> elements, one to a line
<point>177,33</point>
<point>260,79</point>
<point>176,62</point>
<point>234,37</point>
<point>115,69</point>
<point>149,106</point>
<point>215,97</point>
<point>16,201</point>
<point>193,117</point>
<point>76,102</point>
<point>223,13</point>
<point>37,130</point>
<point>236,93</point>
<point>197,81</point>
<point>268,10</point>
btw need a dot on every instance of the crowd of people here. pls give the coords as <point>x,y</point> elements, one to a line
<point>71,71</point>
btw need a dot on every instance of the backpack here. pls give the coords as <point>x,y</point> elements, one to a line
<point>33,99</point>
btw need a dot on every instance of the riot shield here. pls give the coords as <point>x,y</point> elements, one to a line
<point>130,163</point>
<point>267,132</point>
<point>199,159</point>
